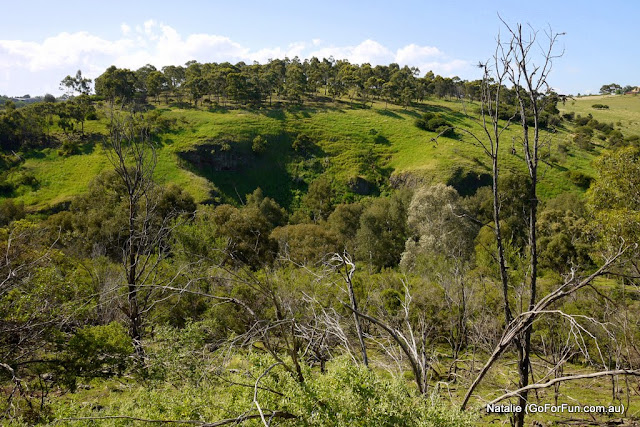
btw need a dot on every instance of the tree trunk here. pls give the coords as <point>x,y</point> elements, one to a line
<point>356,318</point>
<point>134,311</point>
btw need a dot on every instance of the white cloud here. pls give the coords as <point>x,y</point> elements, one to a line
<point>445,68</point>
<point>63,49</point>
<point>368,51</point>
<point>38,66</point>
<point>414,53</point>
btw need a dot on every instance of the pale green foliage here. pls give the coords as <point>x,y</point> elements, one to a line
<point>305,243</point>
<point>383,231</point>
<point>562,239</point>
<point>199,239</point>
<point>183,354</point>
<point>352,395</point>
<point>437,225</point>
<point>614,197</point>
<point>344,221</point>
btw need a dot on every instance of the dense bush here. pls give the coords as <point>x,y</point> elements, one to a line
<point>433,122</point>
<point>580,179</point>
<point>259,144</point>
<point>98,351</point>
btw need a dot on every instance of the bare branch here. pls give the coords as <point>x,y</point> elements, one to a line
<point>550,383</point>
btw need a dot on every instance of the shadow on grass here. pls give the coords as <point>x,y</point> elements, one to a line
<point>432,108</point>
<point>277,114</point>
<point>381,140</point>
<point>389,113</point>
<point>87,148</point>
<point>468,182</point>
<point>243,171</point>
<point>218,109</point>
<point>182,105</point>
<point>33,154</point>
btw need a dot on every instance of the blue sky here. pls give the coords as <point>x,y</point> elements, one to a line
<point>43,41</point>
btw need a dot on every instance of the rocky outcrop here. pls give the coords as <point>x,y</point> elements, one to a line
<point>218,156</point>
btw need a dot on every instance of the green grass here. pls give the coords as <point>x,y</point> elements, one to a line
<point>211,400</point>
<point>374,143</point>
<point>60,178</point>
<point>622,108</point>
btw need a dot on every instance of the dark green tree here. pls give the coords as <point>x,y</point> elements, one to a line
<point>116,84</point>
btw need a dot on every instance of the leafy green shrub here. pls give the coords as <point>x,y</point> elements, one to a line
<point>259,144</point>
<point>97,351</point>
<point>582,138</point>
<point>179,354</point>
<point>631,140</point>
<point>347,395</point>
<point>551,120</point>
<point>600,106</point>
<point>156,122</point>
<point>6,188</point>
<point>69,148</point>
<point>302,143</point>
<point>580,179</point>
<point>603,127</point>
<point>581,121</point>
<point>10,211</point>
<point>392,300</point>
<point>351,395</point>
<point>563,150</point>
<point>305,243</point>
<point>435,123</point>
<point>615,138</point>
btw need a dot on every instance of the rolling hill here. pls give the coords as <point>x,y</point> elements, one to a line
<point>363,151</point>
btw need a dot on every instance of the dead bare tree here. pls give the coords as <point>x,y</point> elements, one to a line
<point>132,153</point>
<point>519,324</point>
<point>347,268</point>
<point>133,157</point>
<point>412,338</point>
<point>519,63</point>
<point>530,84</point>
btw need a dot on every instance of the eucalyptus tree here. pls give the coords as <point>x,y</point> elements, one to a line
<point>76,85</point>
<point>116,84</point>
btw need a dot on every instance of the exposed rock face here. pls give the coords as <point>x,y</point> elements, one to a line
<point>217,156</point>
<point>360,185</point>
<point>405,180</point>
<point>467,182</point>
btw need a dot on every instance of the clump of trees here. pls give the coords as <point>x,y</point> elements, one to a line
<point>285,80</point>
<point>615,88</point>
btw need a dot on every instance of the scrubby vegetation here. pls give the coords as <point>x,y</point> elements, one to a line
<point>313,243</point>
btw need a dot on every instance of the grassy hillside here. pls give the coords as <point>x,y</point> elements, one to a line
<point>362,150</point>
<point>623,111</point>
